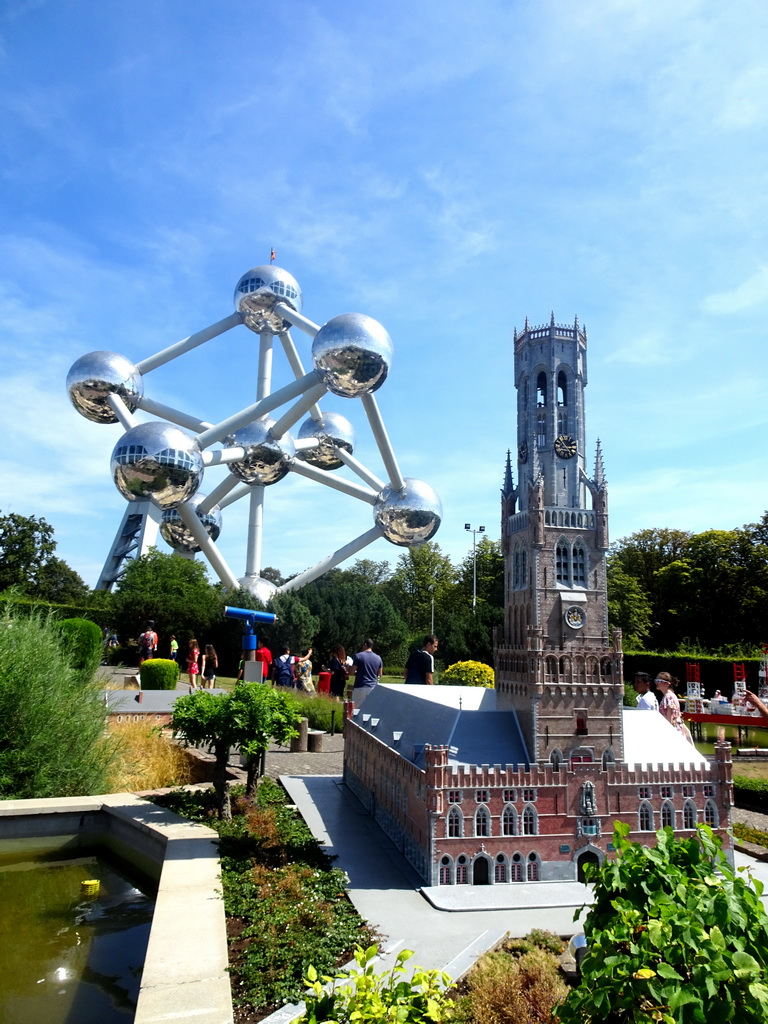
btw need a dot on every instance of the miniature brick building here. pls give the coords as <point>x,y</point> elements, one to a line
<point>524,783</point>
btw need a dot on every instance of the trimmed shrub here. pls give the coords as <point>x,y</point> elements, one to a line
<point>159,674</point>
<point>469,673</point>
<point>85,645</point>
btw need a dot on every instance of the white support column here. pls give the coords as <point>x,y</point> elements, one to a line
<point>264,379</point>
<point>258,409</point>
<point>255,531</point>
<point>295,413</point>
<point>297,366</point>
<point>206,545</point>
<point>289,314</point>
<point>383,442</point>
<point>337,483</point>
<point>359,469</point>
<point>219,492</point>
<point>223,457</point>
<point>187,344</point>
<point>165,412</point>
<point>121,410</point>
<point>242,490</point>
<point>328,563</point>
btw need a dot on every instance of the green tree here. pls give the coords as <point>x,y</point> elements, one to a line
<point>674,936</point>
<point>52,721</point>
<point>172,591</point>
<point>249,717</point>
<point>490,573</point>
<point>423,574</point>
<point>27,561</point>
<point>629,607</point>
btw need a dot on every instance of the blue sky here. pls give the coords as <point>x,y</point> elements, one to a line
<point>447,168</point>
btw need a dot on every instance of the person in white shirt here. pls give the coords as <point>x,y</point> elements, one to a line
<point>646,698</point>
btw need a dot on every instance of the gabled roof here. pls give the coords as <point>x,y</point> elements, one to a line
<point>142,702</point>
<point>462,718</point>
<point>649,739</point>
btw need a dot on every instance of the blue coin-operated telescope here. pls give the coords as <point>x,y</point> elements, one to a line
<point>249,618</point>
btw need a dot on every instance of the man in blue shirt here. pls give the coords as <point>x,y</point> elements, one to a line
<point>420,666</point>
<point>368,668</point>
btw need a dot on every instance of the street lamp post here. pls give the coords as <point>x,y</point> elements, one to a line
<point>480,529</point>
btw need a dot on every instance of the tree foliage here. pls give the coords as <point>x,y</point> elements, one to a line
<point>52,719</point>
<point>27,561</point>
<point>248,717</point>
<point>673,933</point>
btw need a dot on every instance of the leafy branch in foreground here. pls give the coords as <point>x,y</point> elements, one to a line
<point>673,932</point>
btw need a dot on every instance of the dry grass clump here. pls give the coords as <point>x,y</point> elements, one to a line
<point>504,989</point>
<point>147,759</point>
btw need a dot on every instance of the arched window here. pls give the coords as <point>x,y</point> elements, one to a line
<point>710,814</point>
<point>689,815</point>
<point>530,822</point>
<point>516,868</point>
<point>562,563</point>
<point>556,758</point>
<point>509,821</point>
<point>455,823</point>
<point>541,389</point>
<point>533,868</point>
<point>667,815</point>
<point>645,817</point>
<point>500,869</point>
<point>462,876</point>
<point>482,822</point>
<point>445,871</point>
<point>608,757</point>
<point>579,562</point>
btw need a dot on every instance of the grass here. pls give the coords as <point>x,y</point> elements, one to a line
<point>149,759</point>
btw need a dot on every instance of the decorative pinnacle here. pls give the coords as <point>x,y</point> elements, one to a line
<point>536,473</point>
<point>509,484</point>
<point>599,475</point>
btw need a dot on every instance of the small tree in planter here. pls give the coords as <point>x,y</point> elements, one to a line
<point>249,717</point>
<point>469,673</point>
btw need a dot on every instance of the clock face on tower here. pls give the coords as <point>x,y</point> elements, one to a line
<point>565,446</point>
<point>522,452</point>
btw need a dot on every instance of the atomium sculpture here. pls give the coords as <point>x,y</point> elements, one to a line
<point>158,465</point>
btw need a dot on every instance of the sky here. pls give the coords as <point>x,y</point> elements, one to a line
<point>446,168</point>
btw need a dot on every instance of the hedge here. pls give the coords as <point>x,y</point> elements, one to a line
<point>159,674</point>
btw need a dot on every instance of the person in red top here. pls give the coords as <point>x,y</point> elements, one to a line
<point>264,655</point>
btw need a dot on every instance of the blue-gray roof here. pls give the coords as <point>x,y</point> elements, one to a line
<point>462,718</point>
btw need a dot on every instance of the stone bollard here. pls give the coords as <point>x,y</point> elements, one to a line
<point>299,743</point>
<point>315,741</point>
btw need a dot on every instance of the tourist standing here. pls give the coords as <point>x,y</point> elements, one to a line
<point>646,698</point>
<point>368,668</point>
<point>174,645</point>
<point>208,667</point>
<point>669,705</point>
<point>147,643</point>
<point>339,673</point>
<point>193,668</point>
<point>420,667</point>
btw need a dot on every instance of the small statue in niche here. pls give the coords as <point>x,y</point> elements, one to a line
<point>587,802</point>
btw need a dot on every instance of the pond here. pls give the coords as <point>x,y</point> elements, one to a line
<point>65,957</point>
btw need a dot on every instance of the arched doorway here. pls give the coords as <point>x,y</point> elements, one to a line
<point>480,871</point>
<point>586,858</point>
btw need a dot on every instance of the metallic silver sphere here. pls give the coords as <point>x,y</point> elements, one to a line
<point>176,534</point>
<point>258,290</point>
<point>97,375</point>
<point>267,460</point>
<point>352,354</point>
<point>158,461</point>
<point>330,429</point>
<point>261,589</point>
<point>410,516</point>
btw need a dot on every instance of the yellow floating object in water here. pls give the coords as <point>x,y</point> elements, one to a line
<point>90,887</point>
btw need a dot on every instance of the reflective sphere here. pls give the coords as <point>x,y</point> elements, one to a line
<point>96,376</point>
<point>410,516</point>
<point>266,460</point>
<point>261,589</point>
<point>176,534</point>
<point>352,353</point>
<point>331,429</point>
<point>158,461</point>
<point>258,290</point>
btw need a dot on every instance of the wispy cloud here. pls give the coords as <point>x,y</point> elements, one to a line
<point>750,293</point>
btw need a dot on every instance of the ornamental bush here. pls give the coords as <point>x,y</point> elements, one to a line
<point>675,936</point>
<point>85,644</point>
<point>159,674</point>
<point>469,673</point>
